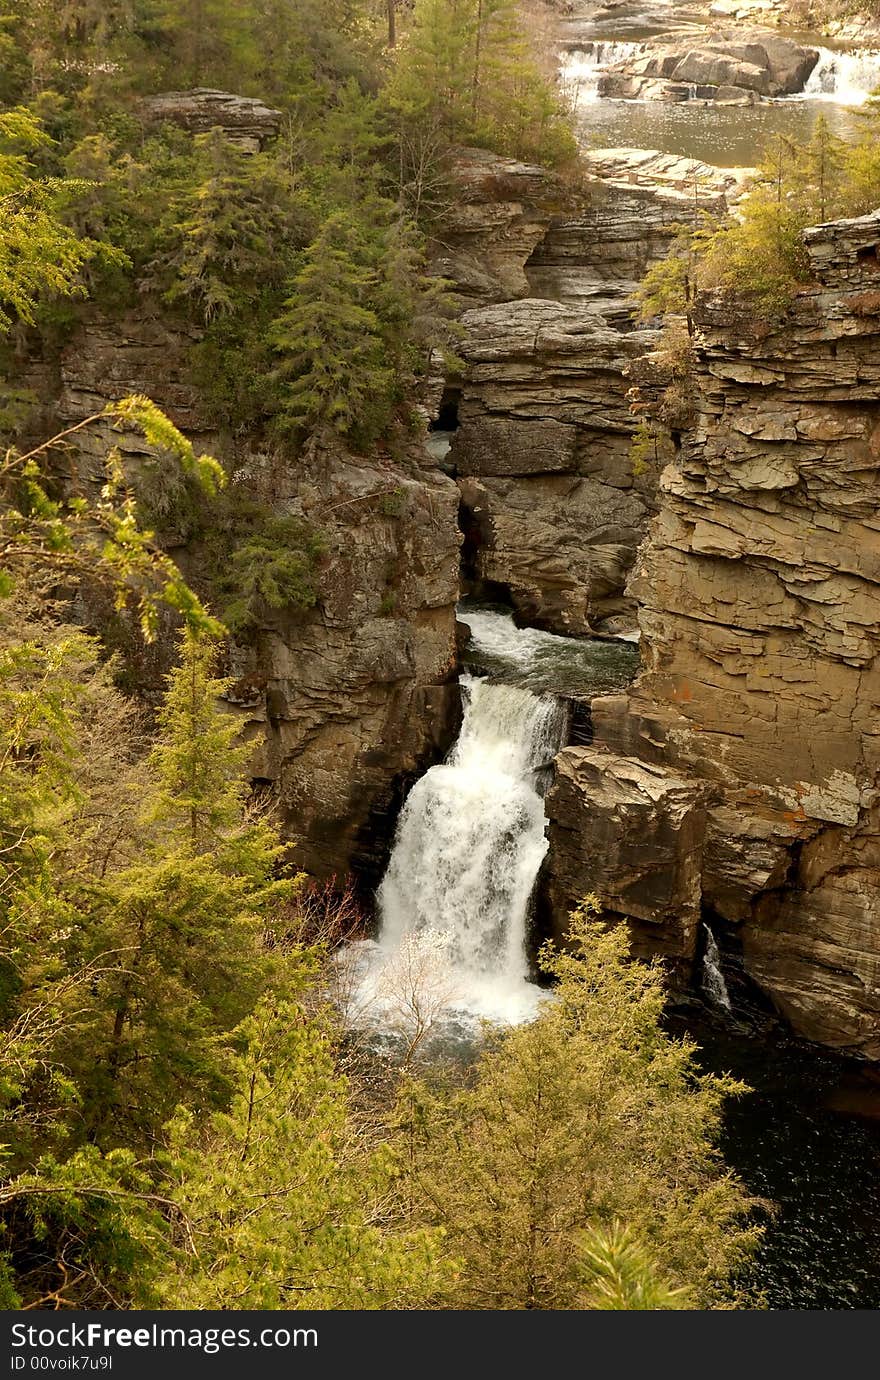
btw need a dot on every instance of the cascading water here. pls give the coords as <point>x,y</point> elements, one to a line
<point>843,78</point>
<point>469,843</point>
<point>582,67</point>
<point>713,978</point>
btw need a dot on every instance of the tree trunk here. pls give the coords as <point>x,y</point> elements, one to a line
<point>392,23</point>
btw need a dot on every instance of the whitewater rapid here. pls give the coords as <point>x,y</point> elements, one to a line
<point>840,77</point>
<point>454,902</point>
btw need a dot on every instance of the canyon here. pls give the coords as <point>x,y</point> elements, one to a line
<point>734,783</point>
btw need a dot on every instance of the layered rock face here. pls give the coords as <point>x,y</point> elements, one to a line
<point>553,511</point>
<point>345,703</point>
<point>543,458</point>
<point>740,67</point>
<point>758,593</point>
<point>244,121</point>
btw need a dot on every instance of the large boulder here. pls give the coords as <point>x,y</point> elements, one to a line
<point>632,835</point>
<point>245,121</point>
<point>720,67</point>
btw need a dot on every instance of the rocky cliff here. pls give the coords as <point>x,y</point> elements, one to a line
<point>344,703</point>
<point>553,511</point>
<point>740,774</point>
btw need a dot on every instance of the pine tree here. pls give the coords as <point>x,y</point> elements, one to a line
<point>179,933</point>
<point>224,238</point>
<point>617,1274</point>
<point>468,65</point>
<point>41,258</point>
<point>283,1202</point>
<point>587,1115</point>
<point>332,371</point>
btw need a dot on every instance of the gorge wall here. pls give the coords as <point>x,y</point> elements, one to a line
<point>345,703</point>
<point>738,779</point>
<point>553,511</point>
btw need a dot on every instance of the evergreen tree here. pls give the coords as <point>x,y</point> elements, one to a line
<point>227,234</point>
<point>618,1276</point>
<point>467,65</point>
<point>179,935</point>
<point>332,371</point>
<point>587,1115</point>
<point>40,256</point>
<point>283,1202</point>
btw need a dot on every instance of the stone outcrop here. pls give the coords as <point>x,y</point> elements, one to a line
<point>496,213</point>
<point>739,67</point>
<point>553,510</point>
<point>758,593</point>
<point>632,835</point>
<point>244,121</point>
<point>542,452</point>
<point>346,703</point>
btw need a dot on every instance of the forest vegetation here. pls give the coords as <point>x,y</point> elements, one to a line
<point>187,1121</point>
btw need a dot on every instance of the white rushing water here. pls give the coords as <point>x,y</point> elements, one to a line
<point>454,902</point>
<point>544,661</point>
<point>840,78</point>
<point>582,67</point>
<point>713,978</point>
<point>844,78</point>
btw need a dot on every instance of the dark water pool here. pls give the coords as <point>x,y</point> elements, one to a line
<point>795,1141</point>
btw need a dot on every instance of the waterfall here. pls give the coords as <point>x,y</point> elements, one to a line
<point>582,67</point>
<point>467,850</point>
<point>713,979</point>
<point>843,78</point>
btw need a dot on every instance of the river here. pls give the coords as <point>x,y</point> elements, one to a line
<point>454,906</point>
<point>725,135</point>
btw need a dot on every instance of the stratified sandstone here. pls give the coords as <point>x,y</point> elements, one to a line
<point>542,452</point>
<point>344,703</point>
<point>553,510</point>
<point>759,593</point>
<point>633,836</point>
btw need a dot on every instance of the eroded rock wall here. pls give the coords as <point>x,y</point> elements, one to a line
<point>553,508</point>
<point>759,595</point>
<point>347,702</point>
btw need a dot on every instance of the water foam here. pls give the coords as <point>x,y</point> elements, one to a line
<point>844,78</point>
<point>467,851</point>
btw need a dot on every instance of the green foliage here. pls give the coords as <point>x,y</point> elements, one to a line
<point>44,533</point>
<point>650,449</point>
<point>587,1115</point>
<point>136,989</point>
<point>618,1276</point>
<point>295,321</point>
<point>757,260</point>
<point>332,372</point>
<point>280,1207</point>
<point>40,256</point>
<point>186,917</point>
<point>272,569</point>
<point>467,67</point>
